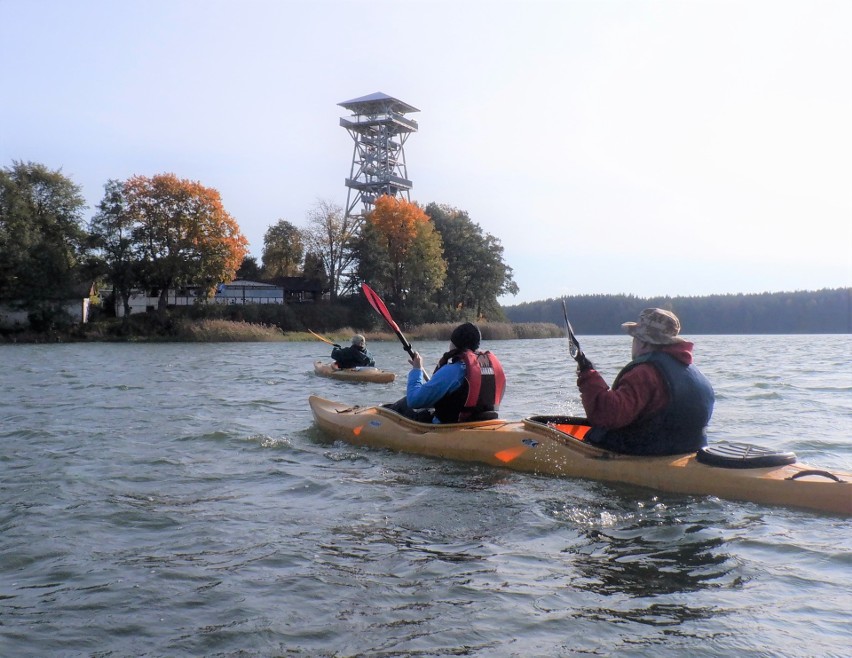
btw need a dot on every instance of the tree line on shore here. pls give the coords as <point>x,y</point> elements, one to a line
<point>827,311</point>
<point>160,233</point>
<point>430,265</point>
<point>821,312</point>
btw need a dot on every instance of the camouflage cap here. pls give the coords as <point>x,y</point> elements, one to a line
<point>358,340</point>
<point>655,326</point>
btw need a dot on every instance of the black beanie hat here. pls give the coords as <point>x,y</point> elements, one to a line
<point>466,336</point>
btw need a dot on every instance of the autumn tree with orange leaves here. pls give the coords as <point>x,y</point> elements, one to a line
<point>399,252</point>
<point>181,233</point>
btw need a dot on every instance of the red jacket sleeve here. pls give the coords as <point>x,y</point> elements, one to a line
<point>641,391</point>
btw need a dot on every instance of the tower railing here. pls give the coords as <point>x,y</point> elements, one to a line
<point>379,128</point>
<point>360,121</point>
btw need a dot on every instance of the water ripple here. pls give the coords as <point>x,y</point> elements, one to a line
<point>178,500</point>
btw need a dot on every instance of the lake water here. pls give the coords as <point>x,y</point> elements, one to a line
<point>176,500</point>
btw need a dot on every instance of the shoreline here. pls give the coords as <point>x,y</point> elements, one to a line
<point>214,331</point>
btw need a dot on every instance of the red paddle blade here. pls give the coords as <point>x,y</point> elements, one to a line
<point>377,303</point>
<point>380,308</point>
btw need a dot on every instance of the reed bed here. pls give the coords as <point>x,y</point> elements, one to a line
<point>228,331</point>
<point>490,330</point>
<point>441,331</point>
<point>151,327</point>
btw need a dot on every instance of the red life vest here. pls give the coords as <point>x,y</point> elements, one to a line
<point>481,392</point>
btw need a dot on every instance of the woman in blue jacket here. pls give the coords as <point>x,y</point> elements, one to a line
<point>467,384</point>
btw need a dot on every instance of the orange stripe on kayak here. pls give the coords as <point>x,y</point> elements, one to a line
<point>509,454</point>
<point>356,430</point>
<point>577,431</point>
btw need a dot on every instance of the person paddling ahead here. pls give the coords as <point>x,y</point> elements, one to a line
<point>354,356</point>
<point>467,384</point>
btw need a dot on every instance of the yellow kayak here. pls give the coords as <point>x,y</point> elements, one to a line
<point>548,445</point>
<point>365,374</point>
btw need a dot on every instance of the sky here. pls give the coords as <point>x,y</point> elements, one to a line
<point>644,147</point>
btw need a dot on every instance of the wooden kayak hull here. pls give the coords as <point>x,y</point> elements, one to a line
<point>373,375</point>
<point>535,447</point>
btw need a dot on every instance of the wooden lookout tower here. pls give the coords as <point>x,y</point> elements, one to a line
<point>379,127</point>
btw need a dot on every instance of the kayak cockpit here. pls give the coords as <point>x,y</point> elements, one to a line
<point>720,455</point>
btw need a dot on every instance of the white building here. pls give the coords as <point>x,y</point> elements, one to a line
<point>238,291</point>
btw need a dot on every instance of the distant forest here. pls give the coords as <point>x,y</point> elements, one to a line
<point>826,311</point>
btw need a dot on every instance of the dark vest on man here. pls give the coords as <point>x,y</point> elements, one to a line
<point>480,393</point>
<point>680,427</point>
<point>351,357</point>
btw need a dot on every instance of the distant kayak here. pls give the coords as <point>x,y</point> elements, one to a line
<point>549,445</point>
<point>365,374</point>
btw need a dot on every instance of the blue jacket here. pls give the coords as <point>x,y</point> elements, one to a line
<point>422,394</point>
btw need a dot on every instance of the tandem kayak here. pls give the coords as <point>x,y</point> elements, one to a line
<point>365,374</point>
<point>549,445</point>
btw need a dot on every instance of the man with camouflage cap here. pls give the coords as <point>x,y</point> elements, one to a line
<point>659,404</point>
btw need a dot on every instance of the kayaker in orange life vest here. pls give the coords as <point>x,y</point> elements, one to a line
<point>467,384</point>
<point>659,404</point>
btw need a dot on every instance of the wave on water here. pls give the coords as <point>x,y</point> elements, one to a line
<point>179,500</point>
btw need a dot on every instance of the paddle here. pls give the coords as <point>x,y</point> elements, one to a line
<point>324,340</point>
<point>380,308</point>
<point>573,343</point>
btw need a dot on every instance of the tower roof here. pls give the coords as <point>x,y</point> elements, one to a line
<point>377,102</point>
